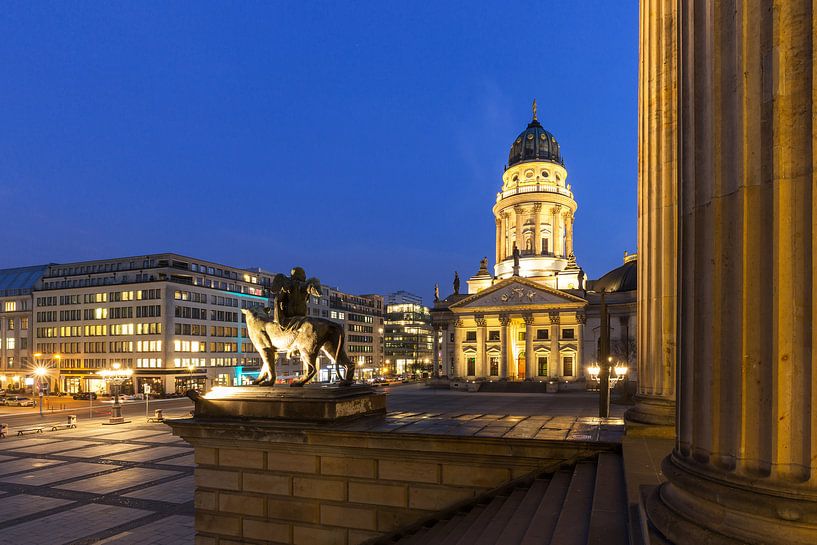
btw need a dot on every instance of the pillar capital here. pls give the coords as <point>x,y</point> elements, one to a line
<point>554,317</point>
<point>504,320</point>
<point>537,207</point>
<point>480,320</point>
<point>528,318</point>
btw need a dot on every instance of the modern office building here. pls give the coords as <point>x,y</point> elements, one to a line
<point>176,321</point>
<point>409,336</point>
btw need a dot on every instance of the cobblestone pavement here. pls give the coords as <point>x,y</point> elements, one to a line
<point>129,484</point>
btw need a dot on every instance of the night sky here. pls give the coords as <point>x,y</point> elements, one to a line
<point>365,143</point>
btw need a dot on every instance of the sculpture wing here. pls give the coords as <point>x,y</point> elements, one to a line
<point>278,282</point>
<point>313,286</point>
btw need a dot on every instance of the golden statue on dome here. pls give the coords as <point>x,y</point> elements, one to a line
<point>534,109</point>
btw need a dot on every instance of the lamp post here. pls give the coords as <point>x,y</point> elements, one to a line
<point>115,376</point>
<point>40,372</point>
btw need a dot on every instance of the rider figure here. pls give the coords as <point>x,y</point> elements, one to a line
<point>292,294</point>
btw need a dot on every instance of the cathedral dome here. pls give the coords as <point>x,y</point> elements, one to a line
<point>535,144</point>
<point>623,278</point>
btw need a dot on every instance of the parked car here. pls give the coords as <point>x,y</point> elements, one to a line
<point>84,396</point>
<point>19,401</point>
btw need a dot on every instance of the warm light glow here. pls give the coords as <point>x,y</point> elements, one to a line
<point>621,370</point>
<point>38,355</point>
<point>594,370</point>
<point>40,371</point>
<point>116,365</point>
<point>29,381</point>
<point>15,378</point>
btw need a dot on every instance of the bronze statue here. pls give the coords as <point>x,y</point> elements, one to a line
<point>515,256</point>
<point>456,283</point>
<point>289,329</point>
<point>436,292</point>
<point>483,264</point>
<point>309,336</point>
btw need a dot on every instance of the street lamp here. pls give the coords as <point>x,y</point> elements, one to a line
<point>40,372</point>
<point>115,376</point>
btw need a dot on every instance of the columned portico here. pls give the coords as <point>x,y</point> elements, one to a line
<point>744,468</point>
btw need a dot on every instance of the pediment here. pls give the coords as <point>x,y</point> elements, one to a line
<point>518,292</point>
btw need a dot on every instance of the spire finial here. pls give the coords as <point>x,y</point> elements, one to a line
<point>534,109</point>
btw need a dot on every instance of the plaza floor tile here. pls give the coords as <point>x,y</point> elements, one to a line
<point>14,443</point>
<point>103,450</point>
<point>188,461</point>
<point>57,446</point>
<point>173,530</point>
<point>149,454</point>
<point>178,491</point>
<point>26,464</point>
<point>69,525</point>
<point>110,482</point>
<point>136,435</point>
<point>57,473</point>
<point>22,505</point>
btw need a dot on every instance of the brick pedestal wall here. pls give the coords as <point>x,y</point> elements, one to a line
<point>274,484</point>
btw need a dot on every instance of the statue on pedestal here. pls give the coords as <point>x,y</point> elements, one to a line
<point>288,328</point>
<point>456,283</point>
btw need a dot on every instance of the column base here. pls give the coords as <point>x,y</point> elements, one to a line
<point>653,416</point>
<point>705,506</point>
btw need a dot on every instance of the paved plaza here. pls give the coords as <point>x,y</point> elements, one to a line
<point>120,485</point>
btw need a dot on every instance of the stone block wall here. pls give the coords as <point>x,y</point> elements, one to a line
<point>266,485</point>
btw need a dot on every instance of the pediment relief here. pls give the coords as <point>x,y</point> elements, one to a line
<point>515,294</point>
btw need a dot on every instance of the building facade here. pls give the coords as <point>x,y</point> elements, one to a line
<point>534,317</point>
<point>16,319</point>
<point>409,336</point>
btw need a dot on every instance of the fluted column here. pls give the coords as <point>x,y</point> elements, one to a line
<point>498,240</point>
<point>459,363</point>
<point>519,213</point>
<point>482,336</point>
<point>504,343</point>
<point>436,356</point>
<point>530,360</point>
<point>556,232</point>
<point>554,362</point>
<point>504,241</point>
<point>537,228</point>
<point>744,468</point>
<point>658,171</point>
<point>568,221</point>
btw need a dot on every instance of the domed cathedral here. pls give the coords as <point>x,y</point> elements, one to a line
<point>526,320</point>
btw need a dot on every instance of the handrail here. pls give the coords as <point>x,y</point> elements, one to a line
<point>548,188</point>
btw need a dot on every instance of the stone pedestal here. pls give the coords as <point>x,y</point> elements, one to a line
<point>313,403</point>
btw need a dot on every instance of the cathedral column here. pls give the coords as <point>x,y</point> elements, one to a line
<point>658,168</point>
<point>568,219</point>
<point>519,212</point>
<point>504,242</point>
<point>459,363</point>
<point>530,360</point>
<point>554,361</point>
<point>504,343</point>
<point>498,240</point>
<point>537,228</point>
<point>482,336</point>
<point>744,468</point>
<point>556,232</point>
<point>436,357</point>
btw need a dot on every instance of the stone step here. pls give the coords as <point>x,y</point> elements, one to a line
<point>481,522</point>
<point>443,529</point>
<point>573,524</point>
<point>492,531</point>
<point>608,515</point>
<point>467,521</point>
<point>541,525</point>
<point>519,522</point>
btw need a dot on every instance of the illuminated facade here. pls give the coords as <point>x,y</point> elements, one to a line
<point>176,321</point>
<point>532,318</point>
<point>409,337</point>
<point>16,346</point>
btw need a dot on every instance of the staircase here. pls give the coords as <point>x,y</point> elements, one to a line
<point>583,505</point>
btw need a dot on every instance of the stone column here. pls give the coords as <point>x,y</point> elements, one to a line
<point>482,337</point>
<point>498,240</point>
<point>555,232</point>
<point>658,170</point>
<point>554,361</point>
<point>537,228</point>
<point>459,364</point>
<point>530,360</point>
<point>519,213</point>
<point>504,343</point>
<point>568,220</point>
<point>504,242</point>
<point>436,357</point>
<point>744,468</point>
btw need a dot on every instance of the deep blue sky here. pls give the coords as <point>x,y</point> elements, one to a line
<point>364,141</point>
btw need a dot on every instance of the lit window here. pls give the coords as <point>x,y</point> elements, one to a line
<point>11,306</point>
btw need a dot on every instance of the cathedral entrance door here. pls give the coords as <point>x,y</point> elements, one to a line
<point>520,366</point>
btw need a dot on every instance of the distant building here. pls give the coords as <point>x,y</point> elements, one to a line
<point>16,318</point>
<point>401,297</point>
<point>409,336</point>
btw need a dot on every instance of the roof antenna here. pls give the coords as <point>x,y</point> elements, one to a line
<point>534,109</point>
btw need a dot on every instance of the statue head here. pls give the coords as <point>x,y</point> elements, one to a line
<point>298,273</point>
